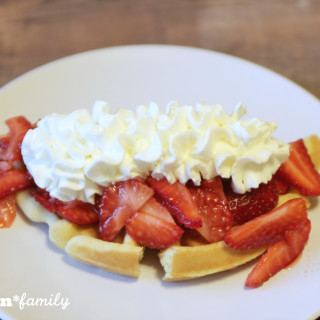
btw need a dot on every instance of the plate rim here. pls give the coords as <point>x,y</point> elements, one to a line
<point>154,46</point>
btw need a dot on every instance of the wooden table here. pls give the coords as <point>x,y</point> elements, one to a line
<point>283,35</point>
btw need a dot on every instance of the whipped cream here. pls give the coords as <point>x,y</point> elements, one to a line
<point>74,156</point>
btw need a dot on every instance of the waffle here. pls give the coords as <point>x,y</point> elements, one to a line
<point>187,259</point>
<point>313,145</point>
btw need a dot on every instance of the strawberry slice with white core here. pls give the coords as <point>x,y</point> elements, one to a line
<point>118,203</point>
<point>299,170</point>
<point>155,208</point>
<point>280,255</point>
<point>268,228</point>
<point>7,211</point>
<point>153,226</point>
<point>13,181</point>
<point>177,198</point>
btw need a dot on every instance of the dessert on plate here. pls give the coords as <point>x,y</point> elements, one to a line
<point>211,191</point>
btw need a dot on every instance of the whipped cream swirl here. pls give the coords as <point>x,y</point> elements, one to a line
<point>74,156</point>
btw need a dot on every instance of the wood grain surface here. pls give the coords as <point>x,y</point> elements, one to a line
<point>283,35</point>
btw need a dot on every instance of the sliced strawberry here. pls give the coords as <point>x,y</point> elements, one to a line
<point>166,223</point>
<point>118,203</point>
<point>281,184</point>
<point>75,211</point>
<point>249,205</point>
<point>298,237</point>
<point>216,185</point>
<point>214,212</point>
<point>155,208</point>
<point>153,226</point>
<point>269,227</point>
<point>46,200</point>
<point>4,141</point>
<point>13,181</point>
<point>18,127</point>
<point>178,200</point>
<point>280,255</point>
<point>5,166</point>
<point>299,170</point>
<point>78,212</point>
<point>7,211</point>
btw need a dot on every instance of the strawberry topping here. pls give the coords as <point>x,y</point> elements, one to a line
<point>215,185</point>
<point>280,254</point>
<point>178,200</point>
<point>13,181</point>
<point>155,208</point>
<point>249,205</point>
<point>13,176</point>
<point>4,142</point>
<point>44,198</point>
<point>18,127</point>
<point>299,170</point>
<point>153,226</point>
<point>5,166</point>
<point>118,203</point>
<point>75,211</point>
<point>214,212</point>
<point>268,228</point>
<point>78,212</point>
<point>281,184</point>
<point>7,211</point>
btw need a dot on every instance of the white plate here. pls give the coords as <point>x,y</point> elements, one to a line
<point>128,76</point>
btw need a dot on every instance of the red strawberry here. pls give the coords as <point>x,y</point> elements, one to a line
<point>44,198</point>
<point>281,184</point>
<point>4,141</point>
<point>118,203</point>
<point>249,205</point>
<point>299,170</point>
<point>215,185</point>
<point>280,255</point>
<point>75,211</point>
<point>298,237</point>
<point>153,226</point>
<point>214,212</point>
<point>13,181</point>
<point>78,212</point>
<point>5,166</point>
<point>18,127</point>
<point>7,211</point>
<point>178,200</point>
<point>269,227</point>
<point>155,208</point>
